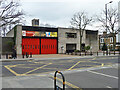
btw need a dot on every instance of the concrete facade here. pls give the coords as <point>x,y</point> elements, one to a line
<point>19,39</point>
<point>119,21</point>
<point>7,45</point>
<point>0,45</point>
<point>90,38</point>
<point>62,40</point>
<point>10,33</point>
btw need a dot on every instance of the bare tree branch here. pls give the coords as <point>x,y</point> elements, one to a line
<point>10,14</point>
<point>80,21</point>
<point>112,21</point>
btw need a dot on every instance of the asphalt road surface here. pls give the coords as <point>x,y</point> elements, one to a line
<point>93,72</point>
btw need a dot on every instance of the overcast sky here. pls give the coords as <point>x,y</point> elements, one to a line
<point>59,12</point>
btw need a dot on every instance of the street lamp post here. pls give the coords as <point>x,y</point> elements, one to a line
<point>106,13</point>
<point>106,20</point>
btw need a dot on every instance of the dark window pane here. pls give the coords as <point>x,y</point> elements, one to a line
<point>23,46</point>
<point>35,46</point>
<point>71,35</point>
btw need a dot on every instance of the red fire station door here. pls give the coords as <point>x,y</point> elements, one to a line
<point>48,46</point>
<point>31,45</point>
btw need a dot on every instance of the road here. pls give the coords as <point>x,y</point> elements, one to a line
<point>89,72</point>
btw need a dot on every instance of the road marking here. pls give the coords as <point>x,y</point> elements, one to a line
<point>93,58</point>
<point>108,87</point>
<point>103,74</point>
<point>13,71</point>
<point>69,84</point>
<point>102,64</point>
<point>74,65</point>
<point>37,68</point>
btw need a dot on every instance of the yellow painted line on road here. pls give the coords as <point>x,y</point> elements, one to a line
<point>24,67</point>
<point>37,68</point>
<point>94,58</point>
<point>102,64</point>
<point>74,65</point>
<point>69,84</point>
<point>13,71</point>
<point>12,66</point>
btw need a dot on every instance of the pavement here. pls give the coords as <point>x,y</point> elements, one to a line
<point>51,56</point>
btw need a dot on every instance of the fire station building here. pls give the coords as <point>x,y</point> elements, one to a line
<point>47,40</point>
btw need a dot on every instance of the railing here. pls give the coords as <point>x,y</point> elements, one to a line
<point>90,53</point>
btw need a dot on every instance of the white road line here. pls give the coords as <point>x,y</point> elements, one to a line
<point>108,87</point>
<point>103,74</point>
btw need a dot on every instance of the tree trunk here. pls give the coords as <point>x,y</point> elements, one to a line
<point>114,42</point>
<point>80,40</point>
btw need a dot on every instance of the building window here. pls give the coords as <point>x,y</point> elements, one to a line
<point>71,35</point>
<point>23,46</point>
<point>102,40</point>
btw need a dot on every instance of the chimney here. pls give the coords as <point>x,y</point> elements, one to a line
<point>35,22</point>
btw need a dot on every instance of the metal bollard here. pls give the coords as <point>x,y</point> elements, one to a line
<point>80,53</point>
<point>103,53</point>
<point>119,52</point>
<point>114,52</point>
<point>55,86</point>
<point>26,55</point>
<point>30,55</point>
<point>91,53</point>
<point>23,55</point>
<point>0,56</point>
<point>109,53</point>
<point>85,53</point>
<point>106,52</point>
<point>6,56</point>
<point>97,53</point>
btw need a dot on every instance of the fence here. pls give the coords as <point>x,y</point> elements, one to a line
<point>11,55</point>
<point>94,53</point>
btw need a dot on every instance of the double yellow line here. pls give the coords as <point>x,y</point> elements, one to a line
<point>67,83</point>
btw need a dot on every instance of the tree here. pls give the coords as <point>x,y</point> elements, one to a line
<point>87,47</point>
<point>112,21</point>
<point>80,21</point>
<point>10,15</point>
